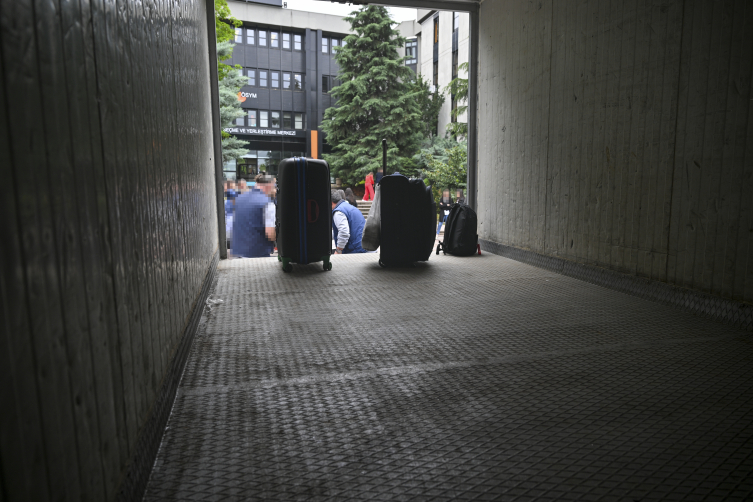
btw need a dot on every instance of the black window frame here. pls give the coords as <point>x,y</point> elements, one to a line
<point>271,118</point>
<point>411,51</point>
<point>299,42</point>
<point>267,119</point>
<point>300,80</point>
<point>265,79</point>
<point>273,39</point>
<point>289,42</point>
<point>455,21</point>
<point>251,78</point>
<point>272,79</point>
<point>333,42</point>
<point>285,81</point>
<point>260,38</point>
<point>240,121</point>
<point>248,117</point>
<point>289,117</point>
<point>325,45</point>
<point>251,33</point>
<point>326,86</point>
<point>295,121</point>
<point>238,33</point>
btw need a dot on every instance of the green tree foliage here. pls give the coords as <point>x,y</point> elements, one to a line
<point>447,171</point>
<point>230,109</point>
<point>430,104</point>
<point>225,25</point>
<point>230,81</point>
<point>459,88</point>
<point>377,99</point>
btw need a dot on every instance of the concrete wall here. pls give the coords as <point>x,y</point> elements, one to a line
<point>618,134</point>
<point>108,227</point>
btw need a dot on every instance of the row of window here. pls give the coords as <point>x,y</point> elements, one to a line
<point>288,41</point>
<point>330,44</point>
<point>271,79</point>
<point>274,120</point>
<point>262,38</point>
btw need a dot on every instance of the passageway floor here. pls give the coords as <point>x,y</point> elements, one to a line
<point>462,378</point>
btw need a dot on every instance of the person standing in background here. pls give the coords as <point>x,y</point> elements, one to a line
<point>351,197</point>
<point>254,222</point>
<point>379,175</point>
<point>369,183</point>
<point>445,204</point>
<point>459,197</point>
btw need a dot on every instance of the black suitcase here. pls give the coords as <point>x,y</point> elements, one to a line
<point>304,225</point>
<point>407,226</point>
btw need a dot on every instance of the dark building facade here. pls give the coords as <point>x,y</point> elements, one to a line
<point>290,73</point>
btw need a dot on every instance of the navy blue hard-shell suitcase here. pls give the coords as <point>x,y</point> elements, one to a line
<point>304,225</point>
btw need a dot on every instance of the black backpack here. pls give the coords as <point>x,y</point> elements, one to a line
<point>460,237</point>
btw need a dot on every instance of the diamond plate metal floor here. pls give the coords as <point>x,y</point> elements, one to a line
<point>463,378</point>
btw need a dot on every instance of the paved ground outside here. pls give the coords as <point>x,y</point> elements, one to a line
<point>463,378</point>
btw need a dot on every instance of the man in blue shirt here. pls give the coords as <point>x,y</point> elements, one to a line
<point>347,225</point>
<point>254,222</point>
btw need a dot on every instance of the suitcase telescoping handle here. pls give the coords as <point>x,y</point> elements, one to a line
<point>384,157</point>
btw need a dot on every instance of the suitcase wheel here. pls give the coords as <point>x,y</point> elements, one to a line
<point>286,265</point>
<point>381,264</point>
<point>327,265</point>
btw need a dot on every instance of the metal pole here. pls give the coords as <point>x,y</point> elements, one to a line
<point>214,85</point>
<point>472,183</point>
<point>384,157</point>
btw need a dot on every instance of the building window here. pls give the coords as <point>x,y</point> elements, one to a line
<point>436,74</point>
<point>241,72</point>
<point>251,115</point>
<point>436,30</point>
<point>297,42</point>
<point>250,36</point>
<point>262,38</point>
<point>251,77</point>
<point>335,44</point>
<point>275,120</point>
<point>299,121</point>
<point>325,45</point>
<point>286,41</point>
<point>286,80</point>
<point>263,119</point>
<point>274,39</point>
<point>342,43</point>
<point>287,120</point>
<point>263,78</point>
<point>411,51</point>
<point>455,21</point>
<point>240,121</point>
<point>325,84</point>
<point>239,35</point>
<point>298,79</point>
<point>275,79</point>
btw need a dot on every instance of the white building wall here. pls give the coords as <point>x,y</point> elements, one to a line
<point>426,57</point>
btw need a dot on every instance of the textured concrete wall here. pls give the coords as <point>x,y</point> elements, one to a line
<point>618,133</point>
<point>108,227</point>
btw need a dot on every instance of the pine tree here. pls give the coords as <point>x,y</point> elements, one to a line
<point>230,82</point>
<point>376,100</point>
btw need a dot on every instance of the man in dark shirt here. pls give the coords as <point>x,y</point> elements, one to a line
<point>254,222</point>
